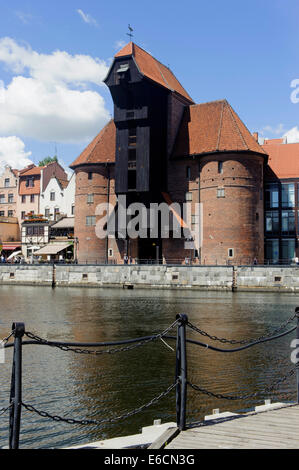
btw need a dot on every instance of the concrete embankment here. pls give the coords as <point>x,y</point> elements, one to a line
<point>227,278</point>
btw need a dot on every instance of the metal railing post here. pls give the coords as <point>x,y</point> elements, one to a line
<point>181,372</point>
<point>16,387</point>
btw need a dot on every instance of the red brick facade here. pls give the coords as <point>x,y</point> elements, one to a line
<point>211,158</point>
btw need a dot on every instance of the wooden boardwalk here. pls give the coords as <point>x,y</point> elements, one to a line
<point>273,429</point>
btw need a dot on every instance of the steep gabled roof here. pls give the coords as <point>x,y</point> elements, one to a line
<point>213,127</point>
<point>31,170</point>
<point>283,159</point>
<point>153,69</point>
<point>63,183</point>
<point>101,149</point>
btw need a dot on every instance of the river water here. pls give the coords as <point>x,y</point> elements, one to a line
<point>106,386</point>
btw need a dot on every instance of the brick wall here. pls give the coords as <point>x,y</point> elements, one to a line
<point>234,221</point>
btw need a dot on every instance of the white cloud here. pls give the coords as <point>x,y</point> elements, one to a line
<point>48,98</point>
<point>26,18</point>
<point>278,130</point>
<point>292,135</point>
<point>119,44</point>
<point>12,152</point>
<point>87,18</point>
<point>56,67</point>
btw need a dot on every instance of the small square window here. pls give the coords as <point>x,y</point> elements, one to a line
<point>89,198</point>
<point>90,220</point>
<point>220,192</point>
<point>132,136</point>
<point>132,155</point>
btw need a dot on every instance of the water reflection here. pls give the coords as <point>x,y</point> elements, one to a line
<point>109,385</point>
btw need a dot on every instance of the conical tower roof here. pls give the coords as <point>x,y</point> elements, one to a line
<point>213,127</point>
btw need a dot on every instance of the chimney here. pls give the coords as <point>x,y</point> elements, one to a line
<point>256,136</point>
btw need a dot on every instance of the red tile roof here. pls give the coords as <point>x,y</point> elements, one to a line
<point>283,159</point>
<point>63,183</point>
<point>153,69</point>
<point>31,170</point>
<point>213,127</point>
<point>273,141</point>
<point>101,149</point>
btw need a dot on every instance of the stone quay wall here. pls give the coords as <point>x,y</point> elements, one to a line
<point>227,278</point>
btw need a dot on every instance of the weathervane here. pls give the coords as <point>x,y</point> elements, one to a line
<point>130,34</point>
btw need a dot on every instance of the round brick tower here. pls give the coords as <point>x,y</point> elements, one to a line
<point>91,190</point>
<point>229,184</point>
<point>231,193</point>
<point>94,170</point>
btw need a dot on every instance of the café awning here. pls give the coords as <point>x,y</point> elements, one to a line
<point>10,247</point>
<point>52,249</point>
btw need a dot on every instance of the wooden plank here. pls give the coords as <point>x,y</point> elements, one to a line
<point>256,436</point>
<point>192,442</point>
<point>273,429</point>
<point>253,435</point>
<point>254,424</point>
<point>165,438</point>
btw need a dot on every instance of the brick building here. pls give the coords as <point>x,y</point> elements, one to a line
<point>8,192</point>
<point>33,180</point>
<point>162,147</point>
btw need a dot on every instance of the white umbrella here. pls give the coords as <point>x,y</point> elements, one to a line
<point>14,254</point>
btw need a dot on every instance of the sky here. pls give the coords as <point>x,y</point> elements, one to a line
<point>55,55</point>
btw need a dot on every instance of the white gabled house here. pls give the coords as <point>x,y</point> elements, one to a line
<point>58,198</point>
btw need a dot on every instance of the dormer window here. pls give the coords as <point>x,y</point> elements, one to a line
<point>121,72</point>
<point>123,68</point>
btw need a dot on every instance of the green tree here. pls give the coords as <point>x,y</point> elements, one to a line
<point>48,160</point>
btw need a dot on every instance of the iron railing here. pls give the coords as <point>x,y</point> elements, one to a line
<point>181,383</point>
<point>163,261</point>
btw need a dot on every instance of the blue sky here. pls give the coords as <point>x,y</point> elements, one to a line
<point>54,56</point>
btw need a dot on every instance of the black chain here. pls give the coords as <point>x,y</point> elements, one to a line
<point>267,334</point>
<point>249,395</point>
<point>65,347</point>
<point>44,414</point>
<point>4,410</point>
<point>5,340</point>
